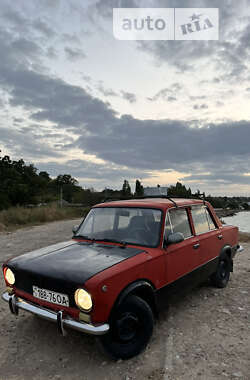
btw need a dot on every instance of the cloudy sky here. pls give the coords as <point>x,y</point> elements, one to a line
<point>73,99</point>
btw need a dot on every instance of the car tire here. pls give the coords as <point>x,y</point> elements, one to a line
<point>221,277</point>
<point>131,327</point>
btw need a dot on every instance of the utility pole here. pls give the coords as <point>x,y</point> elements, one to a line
<point>61,197</point>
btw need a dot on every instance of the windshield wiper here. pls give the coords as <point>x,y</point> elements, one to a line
<point>123,243</point>
<point>84,237</point>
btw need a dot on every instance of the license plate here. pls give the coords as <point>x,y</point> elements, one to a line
<point>49,296</point>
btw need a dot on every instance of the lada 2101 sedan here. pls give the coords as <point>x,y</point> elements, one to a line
<point>123,261</point>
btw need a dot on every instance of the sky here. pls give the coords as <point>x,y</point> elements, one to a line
<point>73,99</point>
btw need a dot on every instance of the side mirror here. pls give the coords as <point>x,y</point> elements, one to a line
<point>176,237</point>
<point>74,229</point>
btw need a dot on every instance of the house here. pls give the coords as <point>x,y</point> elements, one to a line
<point>158,190</point>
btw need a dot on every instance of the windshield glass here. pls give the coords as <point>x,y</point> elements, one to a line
<point>128,225</point>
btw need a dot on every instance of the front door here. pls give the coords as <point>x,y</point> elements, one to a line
<point>181,258</point>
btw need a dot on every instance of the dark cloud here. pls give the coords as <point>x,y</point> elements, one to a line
<point>176,145</point>
<point>42,27</point>
<point>171,99</point>
<point>52,52</point>
<point>53,99</point>
<point>105,8</point>
<point>70,38</point>
<point>130,147</point>
<point>220,177</point>
<point>141,145</point>
<point>219,104</point>
<point>14,19</point>
<point>91,173</point>
<point>131,98</point>
<point>228,55</point>
<point>26,144</point>
<point>198,97</point>
<point>105,91</point>
<point>25,47</point>
<point>167,94</point>
<point>200,106</point>
<point>74,53</point>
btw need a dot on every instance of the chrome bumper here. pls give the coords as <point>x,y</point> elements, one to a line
<point>16,303</point>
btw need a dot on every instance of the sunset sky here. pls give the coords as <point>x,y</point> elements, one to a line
<point>73,99</point>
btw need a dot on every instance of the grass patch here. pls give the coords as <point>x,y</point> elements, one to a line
<point>16,217</point>
<point>244,237</point>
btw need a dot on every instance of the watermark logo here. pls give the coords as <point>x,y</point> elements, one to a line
<point>143,23</point>
<point>196,23</point>
<point>166,23</point>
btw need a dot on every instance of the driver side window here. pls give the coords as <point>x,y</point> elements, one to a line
<point>179,222</point>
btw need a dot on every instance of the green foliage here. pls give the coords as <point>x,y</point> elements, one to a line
<point>20,184</point>
<point>139,191</point>
<point>246,206</point>
<point>179,190</point>
<point>126,190</point>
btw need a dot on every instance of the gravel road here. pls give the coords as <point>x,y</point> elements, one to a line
<point>204,335</point>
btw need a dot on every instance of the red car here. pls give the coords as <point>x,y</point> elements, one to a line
<point>124,261</point>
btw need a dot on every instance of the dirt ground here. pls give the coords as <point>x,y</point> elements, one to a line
<point>204,335</point>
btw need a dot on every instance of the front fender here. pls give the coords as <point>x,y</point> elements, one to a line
<point>142,288</point>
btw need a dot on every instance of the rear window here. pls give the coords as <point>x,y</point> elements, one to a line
<point>202,219</point>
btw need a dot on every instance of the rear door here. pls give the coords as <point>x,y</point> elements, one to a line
<point>181,258</point>
<point>208,234</point>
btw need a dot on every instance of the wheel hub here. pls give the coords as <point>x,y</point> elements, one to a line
<point>223,269</point>
<point>127,327</point>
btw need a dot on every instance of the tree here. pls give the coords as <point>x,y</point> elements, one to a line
<point>45,176</point>
<point>139,191</point>
<point>126,190</point>
<point>67,185</point>
<point>179,190</point>
<point>65,179</point>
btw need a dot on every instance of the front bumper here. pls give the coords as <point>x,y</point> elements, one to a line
<point>62,320</point>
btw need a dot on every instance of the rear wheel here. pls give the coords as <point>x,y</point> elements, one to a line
<point>131,328</point>
<point>221,277</point>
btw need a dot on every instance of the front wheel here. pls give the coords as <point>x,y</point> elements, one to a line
<point>221,277</point>
<point>131,328</point>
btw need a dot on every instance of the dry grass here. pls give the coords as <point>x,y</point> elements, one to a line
<point>244,237</point>
<point>16,217</point>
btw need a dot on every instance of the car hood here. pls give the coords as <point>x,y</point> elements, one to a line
<point>65,266</point>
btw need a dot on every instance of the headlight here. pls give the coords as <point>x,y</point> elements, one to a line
<point>9,276</point>
<point>83,300</point>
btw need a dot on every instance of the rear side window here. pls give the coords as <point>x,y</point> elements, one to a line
<point>211,223</point>
<point>180,222</point>
<point>202,220</point>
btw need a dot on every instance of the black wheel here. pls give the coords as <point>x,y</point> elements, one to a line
<point>221,277</point>
<point>131,328</point>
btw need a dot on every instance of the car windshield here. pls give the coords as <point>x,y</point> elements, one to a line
<point>140,226</point>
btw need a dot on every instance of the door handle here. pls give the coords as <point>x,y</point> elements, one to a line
<point>220,237</point>
<point>195,246</point>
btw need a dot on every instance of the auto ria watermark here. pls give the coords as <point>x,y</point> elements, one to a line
<point>166,23</point>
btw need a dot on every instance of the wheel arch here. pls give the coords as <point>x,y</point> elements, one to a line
<point>142,288</point>
<point>226,252</point>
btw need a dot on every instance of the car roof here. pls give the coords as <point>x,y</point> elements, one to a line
<point>163,203</point>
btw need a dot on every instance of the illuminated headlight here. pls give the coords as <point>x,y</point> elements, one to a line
<point>83,300</point>
<point>9,276</point>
